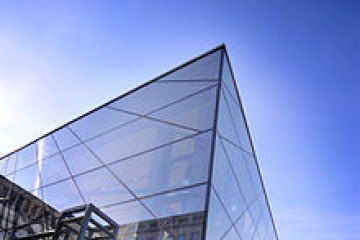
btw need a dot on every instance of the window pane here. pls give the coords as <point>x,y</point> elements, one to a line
<point>239,123</point>
<point>205,68</point>
<point>227,187</point>
<point>256,210</point>
<point>218,221</point>
<point>238,159</point>
<point>65,139</point>
<point>62,195</point>
<point>53,170</point>
<point>180,202</point>
<point>245,226</point>
<point>79,159</point>
<point>158,95</point>
<point>195,112</point>
<point>231,235</point>
<point>99,122</point>
<point>101,188</point>
<point>3,166</point>
<point>226,126</point>
<point>228,79</point>
<point>134,138</point>
<point>47,147</point>
<point>175,165</point>
<point>27,156</point>
<point>28,178</point>
<point>128,213</point>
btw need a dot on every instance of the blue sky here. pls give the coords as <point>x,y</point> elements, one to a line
<point>296,63</point>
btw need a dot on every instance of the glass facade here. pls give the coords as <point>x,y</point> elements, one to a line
<point>171,159</point>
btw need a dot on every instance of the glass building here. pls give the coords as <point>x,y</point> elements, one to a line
<point>170,160</point>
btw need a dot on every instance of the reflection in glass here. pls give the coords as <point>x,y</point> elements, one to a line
<point>26,177</point>
<point>245,226</point>
<point>80,159</point>
<point>53,170</point>
<point>176,165</point>
<point>239,161</point>
<point>26,156</point>
<point>158,95</point>
<point>230,194</point>
<point>62,195</point>
<point>135,138</point>
<point>179,202</point>
<point>196,112</point>
<point>218,222</point>
<point>64,138</point>
<point>100,121</point>
<point>101,188</point>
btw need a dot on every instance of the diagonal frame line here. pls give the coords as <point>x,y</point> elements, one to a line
<point>68,168</point>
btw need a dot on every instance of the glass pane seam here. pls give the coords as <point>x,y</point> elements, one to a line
<point>123,159</point>
<point>188,81</point>
<point>159,146</point>
<point>221,202</point>
<point>67,167</point>
<point>234,144</point>
<point>174,102</point>
<point>236,101</point>
<point>156,119</point>
<point>113,174</point>
<point>232,170</point>
<point>155,194</point>
<point>246,160</point>
<point>234,123</point>
<point>226,232</point>
<point>258,222</point>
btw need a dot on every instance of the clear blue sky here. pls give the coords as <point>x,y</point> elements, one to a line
<point>297,64</point>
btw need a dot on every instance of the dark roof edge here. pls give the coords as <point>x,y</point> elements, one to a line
<point>219,47</point>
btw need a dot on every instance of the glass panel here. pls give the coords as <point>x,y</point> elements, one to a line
<point>206,68</point>
<point>226,126</point>
<point>231,235</point>
<point>101,188</point>
<point>47,147</point>
<point>12,163</point>
<point>79,159</point>
<point>218,221</point>
<point>227,78</point>
<point>245,226</point>
<point>27,178</point>
<point>196,112</point>
<point>227,187</point>
<point>27,156</point>
<point>263,224</point>
<point>239,123</point>
<point>3,165</point>
<point>180,202</point>
<point>65,138</point>
<point>158,95</point>
<point>134,138</point>
<point>175,165</point>
<point>53,170</point>
<point>62,195</point>
<point>256,210</point>
<point>253,169</point>
<point>99,122</point>
<point>238,159</point>
<point>128,213</point>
